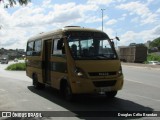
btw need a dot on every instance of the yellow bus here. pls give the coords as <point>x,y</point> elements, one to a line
<point>74,60</point>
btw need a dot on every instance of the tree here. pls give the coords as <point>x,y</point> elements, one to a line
<point>137,44</point>
<point>132,44</point>
<point>155,43</point>
<point>11,3</point>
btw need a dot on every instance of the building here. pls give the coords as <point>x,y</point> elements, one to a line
<point>12,53</point>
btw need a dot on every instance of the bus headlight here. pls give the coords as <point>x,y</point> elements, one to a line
<point>80,73</point>
<point>120,71</point>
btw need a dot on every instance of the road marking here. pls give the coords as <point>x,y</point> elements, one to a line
<point>135,81</point>
<point>49,108</point>
<point>2,90</point>
<point>142,83</point>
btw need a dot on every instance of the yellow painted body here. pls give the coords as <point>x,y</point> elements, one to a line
<point>85,85</point>
<point>79,85</point>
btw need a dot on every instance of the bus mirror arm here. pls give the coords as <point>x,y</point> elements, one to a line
<point>112,43</point>
<point>117,38</point>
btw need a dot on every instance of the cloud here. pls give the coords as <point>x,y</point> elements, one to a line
<point>32,19</point>
<point>156,30</point>
<point>140,37</point>
<point>140,9</point>
<point>111,22</point>
<point>99,2</point>
<point>21,22</point>
<point>47,4</point>
<point>93,19</point>
<point>4,18</point>
<point>12,37</point>
<point>149,2</point>
<point>57,14</point>
<point>158,10</point>
<point>109,31</point>
<point>16,26</point>
<point>123,17</point>
<point>105,2</point>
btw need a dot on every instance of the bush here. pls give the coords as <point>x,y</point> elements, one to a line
<point>17,66</point>
<point>153,57</point>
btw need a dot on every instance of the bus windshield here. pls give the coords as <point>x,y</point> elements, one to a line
<point>91,47</point>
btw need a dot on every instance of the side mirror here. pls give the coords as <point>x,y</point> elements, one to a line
<point>59,44</point>
<point>117,38</point>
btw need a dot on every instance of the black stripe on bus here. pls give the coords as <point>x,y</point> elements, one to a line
<point>51,66</point>
<point>59,67</point>
<point>34,63</point>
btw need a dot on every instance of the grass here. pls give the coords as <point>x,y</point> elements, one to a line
<point>17,66</point>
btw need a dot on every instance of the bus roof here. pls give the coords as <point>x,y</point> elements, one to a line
<point>61,31</point>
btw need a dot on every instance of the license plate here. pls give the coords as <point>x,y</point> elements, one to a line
<point>104,89</point>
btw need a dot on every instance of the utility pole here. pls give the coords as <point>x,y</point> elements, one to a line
<point>0,26</point>
<point>102,18</point>
<point>116,41</point>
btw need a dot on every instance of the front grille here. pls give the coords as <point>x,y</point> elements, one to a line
<point>104,83</point>
<point>101,73</point>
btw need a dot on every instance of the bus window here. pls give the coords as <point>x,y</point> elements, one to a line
<point>105,49</point>
<point>34,48</point>
<point>74,47</point>
<point>59,48</point>
<point>92,48</point>
<point>37,48</point>
<point>30,48</point>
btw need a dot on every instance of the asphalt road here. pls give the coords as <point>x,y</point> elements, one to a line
<point>142,83</point>
<point>140,93</point>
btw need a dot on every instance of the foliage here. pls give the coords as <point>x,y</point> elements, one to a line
<point>17,66</point>
<point>153,57</point>
<point>11,3</point>
<point>155,43</point>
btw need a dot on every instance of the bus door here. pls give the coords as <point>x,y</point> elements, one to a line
<point>47,62</point>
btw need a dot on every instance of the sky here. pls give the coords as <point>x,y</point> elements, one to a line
<point>133,21</point>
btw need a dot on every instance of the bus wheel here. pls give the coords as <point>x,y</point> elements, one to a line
<point>111,94</point>
<point>37,84</point>
<point>68,93</point>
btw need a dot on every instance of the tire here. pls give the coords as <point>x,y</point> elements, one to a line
<point>36,84</point>
<point>68,93</point>
<point>111,94</point>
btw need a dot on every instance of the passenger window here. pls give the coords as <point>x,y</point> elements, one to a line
<point>37,48</point>
<point>34,48</point>
<point>30,48</point>
<point>59,48</point>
